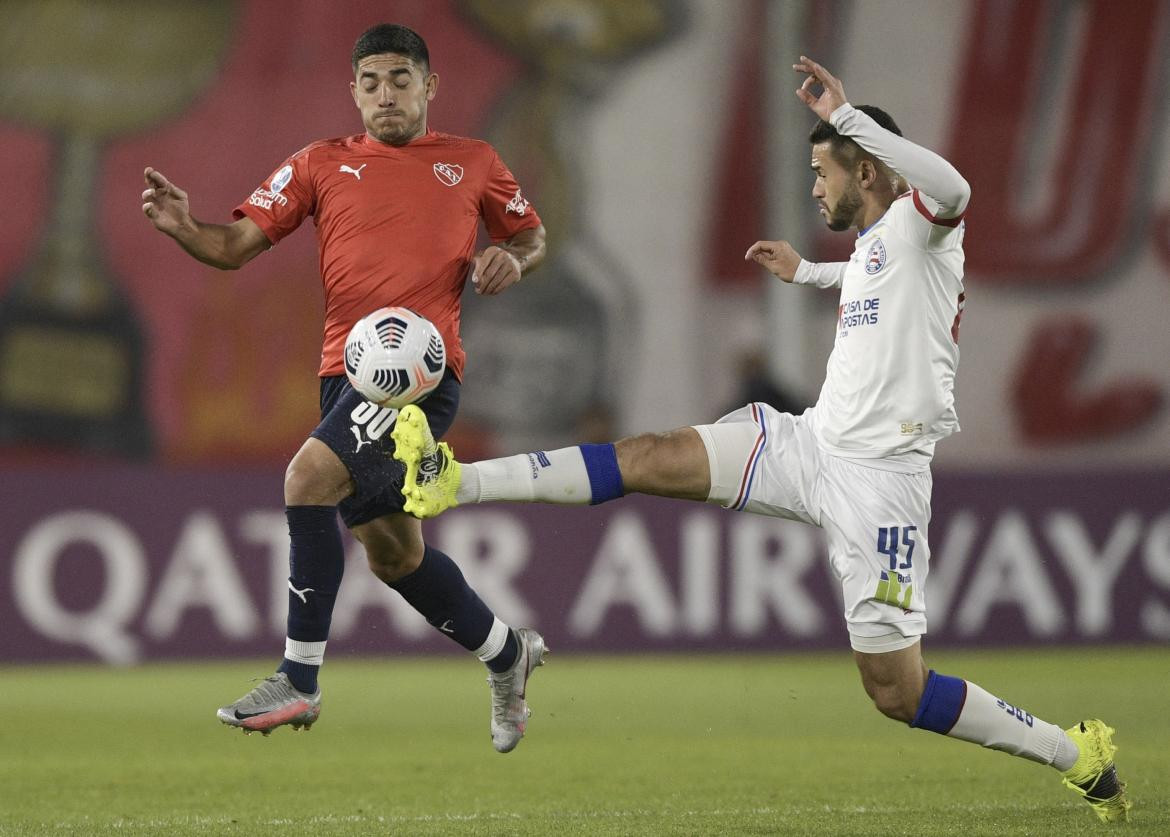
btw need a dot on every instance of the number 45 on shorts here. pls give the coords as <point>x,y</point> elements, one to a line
<point>895,588</point>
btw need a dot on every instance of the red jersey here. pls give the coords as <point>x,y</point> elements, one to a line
<point>396,225</point>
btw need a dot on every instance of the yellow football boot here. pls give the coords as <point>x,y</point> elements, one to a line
<point>432,474</point>
<point>1093,776</point>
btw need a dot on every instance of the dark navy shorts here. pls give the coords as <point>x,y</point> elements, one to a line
<point>358,431</point>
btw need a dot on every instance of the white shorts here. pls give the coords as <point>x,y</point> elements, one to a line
<point>768,462</point>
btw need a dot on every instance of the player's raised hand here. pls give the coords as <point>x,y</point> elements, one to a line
<point>494,270</point>
<point>832,94</point>
<point>164,203</point>
<point>777,257</point>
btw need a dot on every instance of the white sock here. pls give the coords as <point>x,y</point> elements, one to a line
<point>1066,754</point>
<point>998,725</point>
<point>557,476</point>
<point>309,653</point>
<point>494,644</point>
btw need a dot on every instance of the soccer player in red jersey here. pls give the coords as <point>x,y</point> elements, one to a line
<point>397,210</point>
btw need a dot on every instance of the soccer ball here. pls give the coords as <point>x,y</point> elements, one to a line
<point>394,357</point>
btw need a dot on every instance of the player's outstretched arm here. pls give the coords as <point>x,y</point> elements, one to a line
<point>777,257</point>
<point>225,246</point>
<point>782,261</point>
<point>926,171</point>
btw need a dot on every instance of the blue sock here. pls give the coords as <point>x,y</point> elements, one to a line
<point>316,562</point>
<point>438,590</point>
<point>605,478</point>
<point>941,704</point>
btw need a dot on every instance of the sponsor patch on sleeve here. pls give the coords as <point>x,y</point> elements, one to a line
<point>517,204</point>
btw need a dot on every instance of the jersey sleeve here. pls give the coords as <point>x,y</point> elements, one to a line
<point>504,209</point>
<point>283,201</point>
<point>820,274</point>
<point>940,192</point>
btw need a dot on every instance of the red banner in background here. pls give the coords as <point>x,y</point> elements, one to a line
<point>230,358</point>
<point>143,564</point>
<point>223,363</point>
<point>1039,112</point>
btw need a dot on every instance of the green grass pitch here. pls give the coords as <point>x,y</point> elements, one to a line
<point>777,744</point>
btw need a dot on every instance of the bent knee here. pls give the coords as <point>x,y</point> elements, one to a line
<point>390,554</point>
<point>392,566</point>
<point>896,706</point>
<point>894,681</point>
<point>316,477</point>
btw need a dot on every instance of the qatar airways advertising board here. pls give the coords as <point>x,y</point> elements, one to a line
<point>144,564</point>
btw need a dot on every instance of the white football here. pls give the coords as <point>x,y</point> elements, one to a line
<point>394,357</point>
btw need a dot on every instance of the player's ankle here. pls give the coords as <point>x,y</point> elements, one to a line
<point>469,490</point>
<point>302,675</point>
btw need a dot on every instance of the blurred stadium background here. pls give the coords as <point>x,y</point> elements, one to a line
<point>148,404</point>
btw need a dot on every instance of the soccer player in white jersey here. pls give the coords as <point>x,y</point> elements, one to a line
<point>857,463</point>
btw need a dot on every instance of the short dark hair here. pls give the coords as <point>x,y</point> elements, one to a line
<point>391,37</point>
<point>844,148</point>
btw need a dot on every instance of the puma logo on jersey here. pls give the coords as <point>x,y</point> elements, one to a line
<point>355,172</point>
<point>300,593</point>
<point>360,441</point>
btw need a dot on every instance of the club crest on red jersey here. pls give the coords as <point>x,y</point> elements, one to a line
<point>448,173</point>
<point>875,259</point>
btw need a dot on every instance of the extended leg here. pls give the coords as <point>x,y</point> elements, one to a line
<point>672,464</point>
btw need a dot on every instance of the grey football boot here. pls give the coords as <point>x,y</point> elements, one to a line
<point>272,703</point>
<point>510,711</point>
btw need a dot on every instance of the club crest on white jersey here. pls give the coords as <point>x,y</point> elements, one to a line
<point>875,259</point>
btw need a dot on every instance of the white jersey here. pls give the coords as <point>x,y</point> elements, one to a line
<point>888,390</point>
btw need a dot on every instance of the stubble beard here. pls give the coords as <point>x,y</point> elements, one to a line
<point>845,212</point>
<point>397,135</point>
